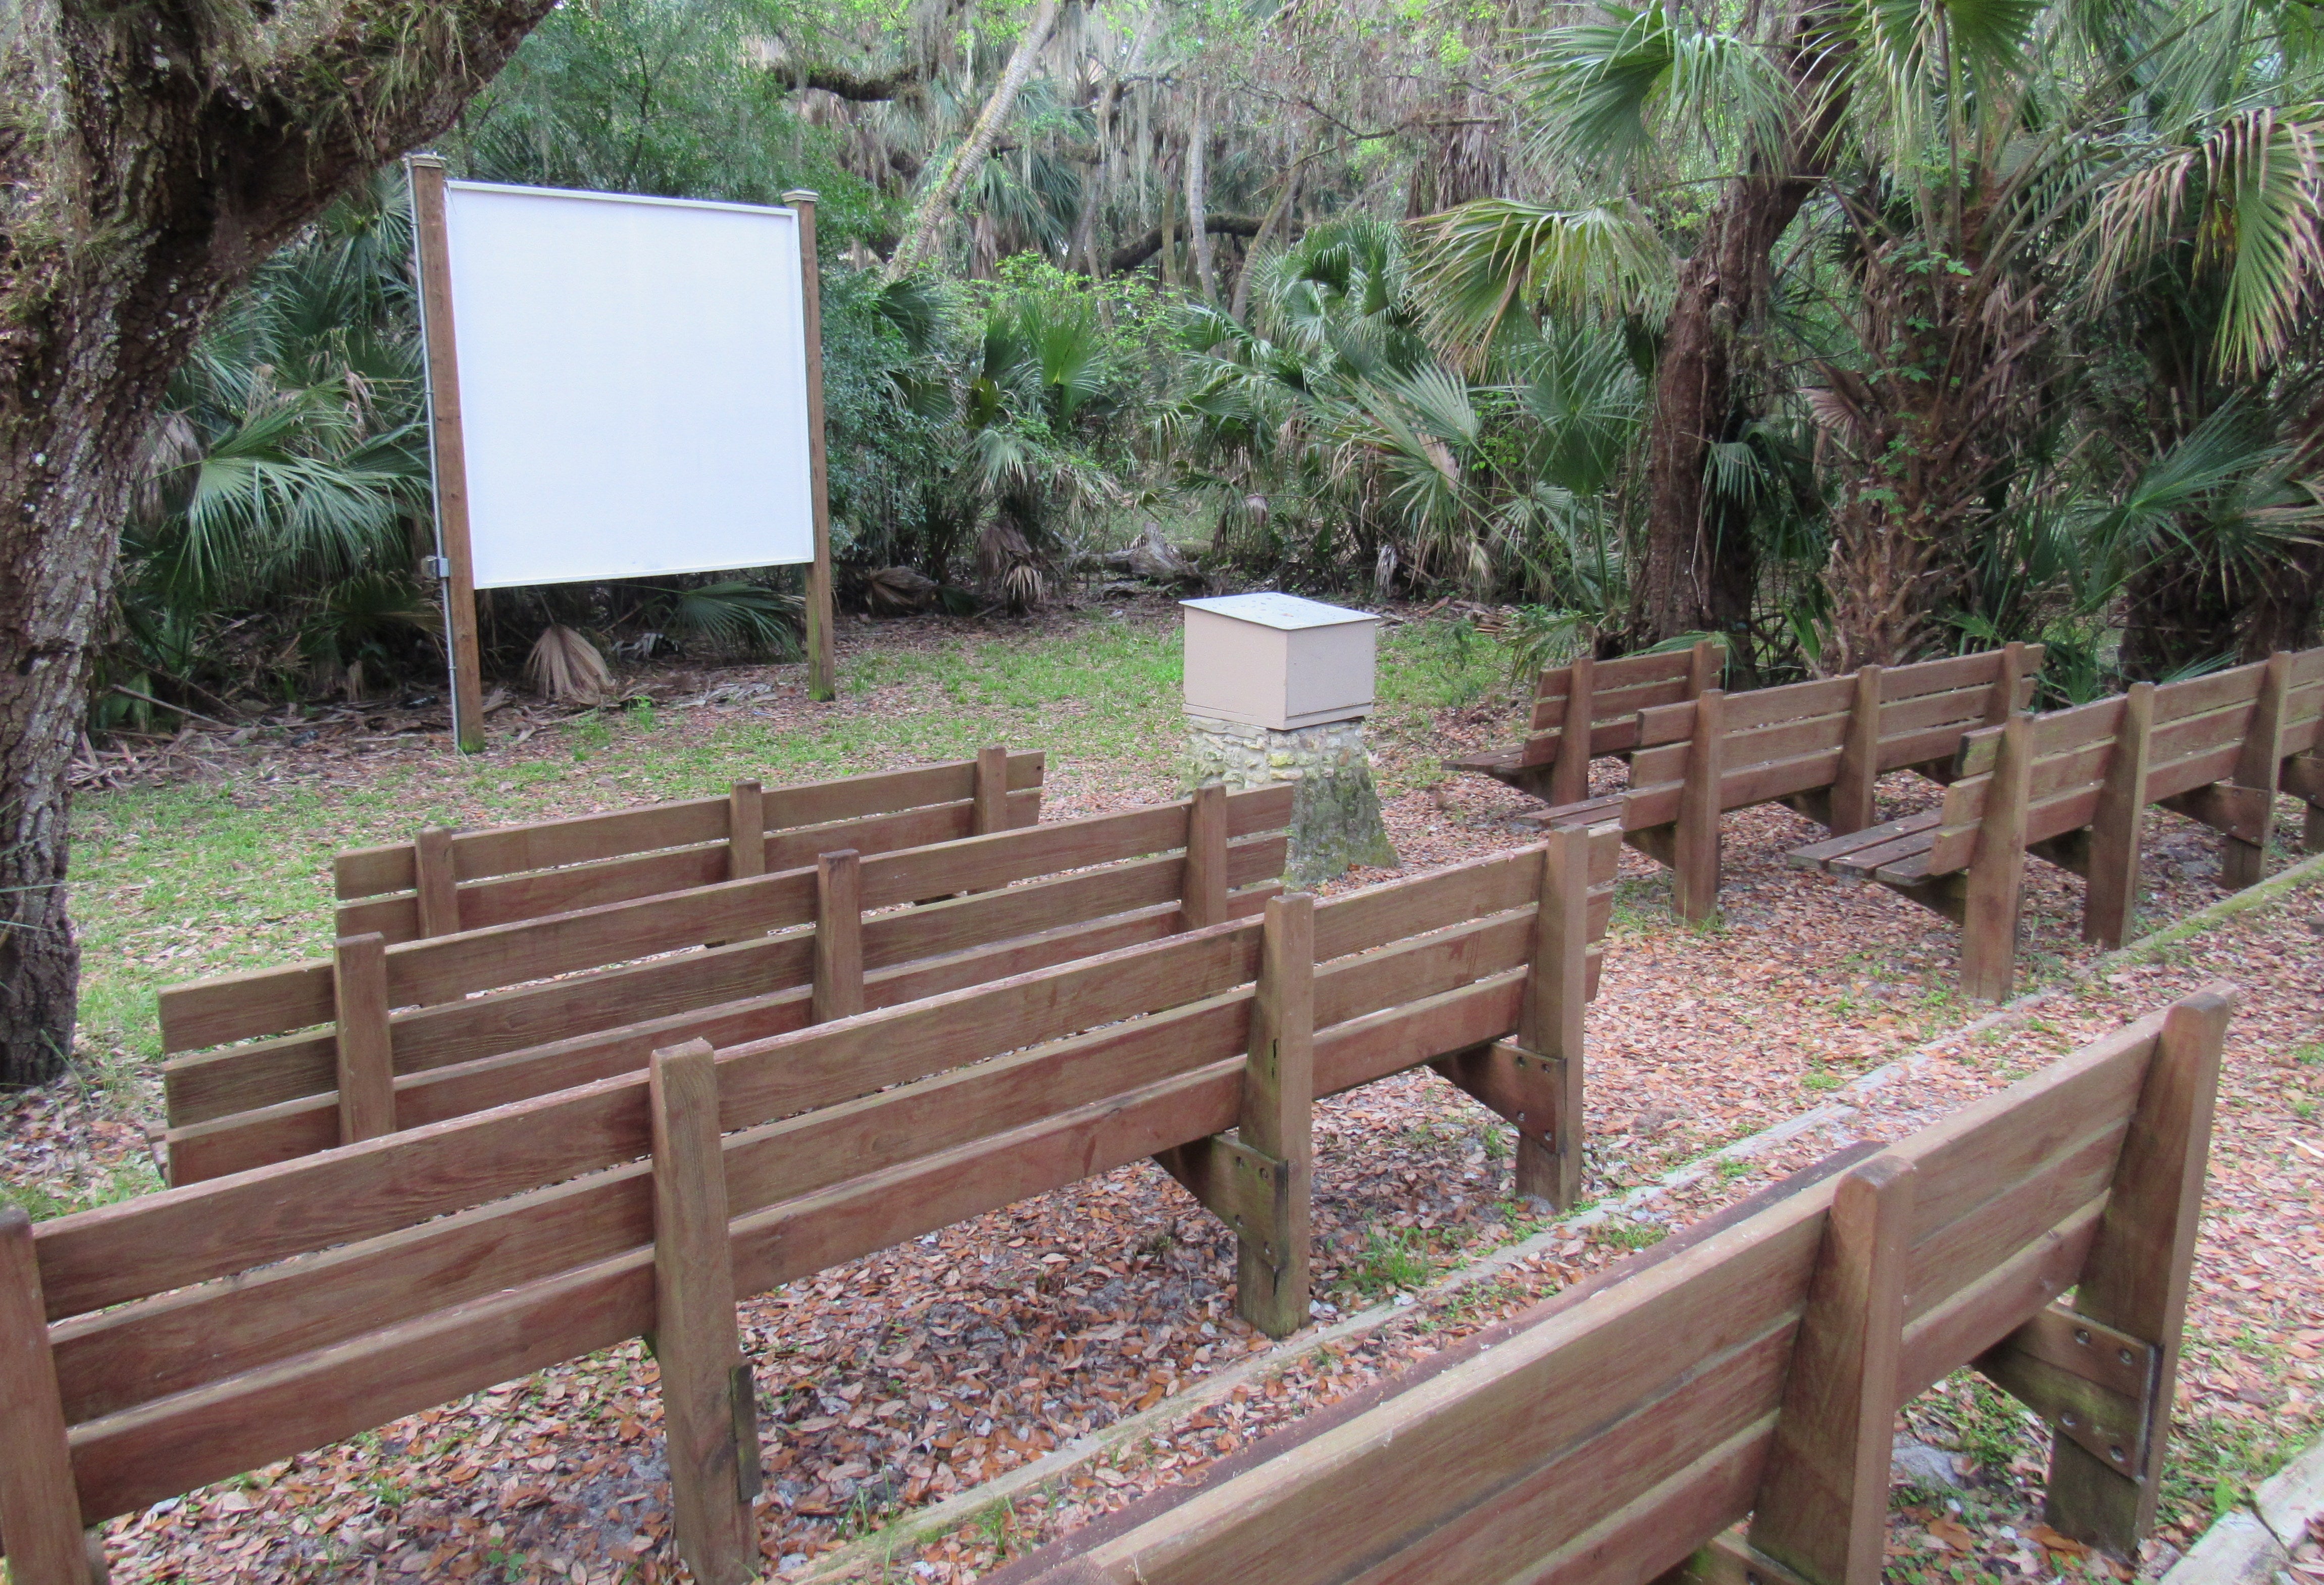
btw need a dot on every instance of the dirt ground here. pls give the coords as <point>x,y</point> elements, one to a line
<point>1819,1010</point>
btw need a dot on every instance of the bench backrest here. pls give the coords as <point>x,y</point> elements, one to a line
<point>1611,693</point>
<point>1756,1368</point>
<point>2160,744</point>
<point>208,1329</point>
<point>1805,737</point>
<point>446,881</point>
<point>491,1016</point>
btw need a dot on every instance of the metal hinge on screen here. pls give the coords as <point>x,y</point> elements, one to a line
<point>435,566</point>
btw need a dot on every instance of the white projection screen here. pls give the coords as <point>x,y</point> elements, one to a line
<point>633,377</point>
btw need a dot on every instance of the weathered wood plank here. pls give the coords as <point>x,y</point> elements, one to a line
<point>714,1468</point>
<point>39,1509</point>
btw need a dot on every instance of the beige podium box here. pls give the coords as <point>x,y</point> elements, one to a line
<point>1278,661</point>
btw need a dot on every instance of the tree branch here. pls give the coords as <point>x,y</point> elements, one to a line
<point>1129,256</point>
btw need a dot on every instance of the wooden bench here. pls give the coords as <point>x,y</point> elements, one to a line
<point>1589,708</point>
<point>446,881</point>
<point>150,1347</point>
<point>384,1036</point>
<point>1818,746</point>
<point>1754,1366</point>
<point>2072,787</point>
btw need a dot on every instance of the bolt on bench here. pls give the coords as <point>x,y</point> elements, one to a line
<point>2072,787</point>
<point>1754,1366</point>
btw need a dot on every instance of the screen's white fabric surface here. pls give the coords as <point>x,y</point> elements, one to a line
<point>633,384</point>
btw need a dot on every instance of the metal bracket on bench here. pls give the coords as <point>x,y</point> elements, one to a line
<point>2093,1384</point>
<point>1243,1187</point>
<point>1517,1085</point>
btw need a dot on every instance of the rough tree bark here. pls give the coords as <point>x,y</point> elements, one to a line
<point>1692,576</point>
<point>968,159</point>
<point>151,155</point>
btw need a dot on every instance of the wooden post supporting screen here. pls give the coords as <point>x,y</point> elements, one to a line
<point>822,681</point>
<point>709,1406</point>
<point>2136,1278</point>
<point>1822,1509</point>
<point>366,1061</point>
<point>39,1507</point>
<point>442,357</point>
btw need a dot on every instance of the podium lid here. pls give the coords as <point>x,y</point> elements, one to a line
<point>1269,608</point>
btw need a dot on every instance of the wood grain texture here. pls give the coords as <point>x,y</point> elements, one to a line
<point>2243,856</point>
<point>39,1509</point>
<point>447,445</point>
<point>746,831</point>
<point>365,1075</point>
<point>1570,779</point>
<point>838,990</point>
<point>991,790</point>
<point>1695,869</point>
<point>1276,1119</point>
<point>2111,901</point>
<point>1858,771</point>
<point>713,1476</point>
<point>1997,873</point>
<point>1823,1507</point>
<point>437,895</point>
<point>1204,891</point>
<point>2136,1274</point>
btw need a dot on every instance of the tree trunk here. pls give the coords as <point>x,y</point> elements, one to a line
<point>1198,232</point>
<point>193,154</point>
<point>1694,577</point>
<point>968,159</point>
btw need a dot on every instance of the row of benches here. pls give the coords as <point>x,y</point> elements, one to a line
<point>2069,786</point>
<point>151,1347</point>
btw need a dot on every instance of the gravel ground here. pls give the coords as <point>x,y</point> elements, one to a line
<point>900,1380</point>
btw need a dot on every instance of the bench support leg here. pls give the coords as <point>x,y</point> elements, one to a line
<point>2111,900</point>
<point>1848,805</point>
<point>709,1406</point>
<point>1535,1080</point>
<point>1570,780</point>
<point>1537,1097</point>
<point>1261,1183</point>
<point>1997,873</point>
<point>2136,1278</point>
<point>39,1509</point>
<point>2242,855</point>
<point>1694,886</point>
<point>1823,1507</point>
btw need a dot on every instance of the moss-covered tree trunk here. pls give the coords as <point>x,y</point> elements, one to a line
<point>150,156</point>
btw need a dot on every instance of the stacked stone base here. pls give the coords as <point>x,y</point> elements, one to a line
<point>1335,813</point>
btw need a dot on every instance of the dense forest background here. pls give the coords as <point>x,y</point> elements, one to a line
<point>1850,330</point>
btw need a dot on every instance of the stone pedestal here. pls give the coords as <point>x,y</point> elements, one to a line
<point>1335,813</point>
